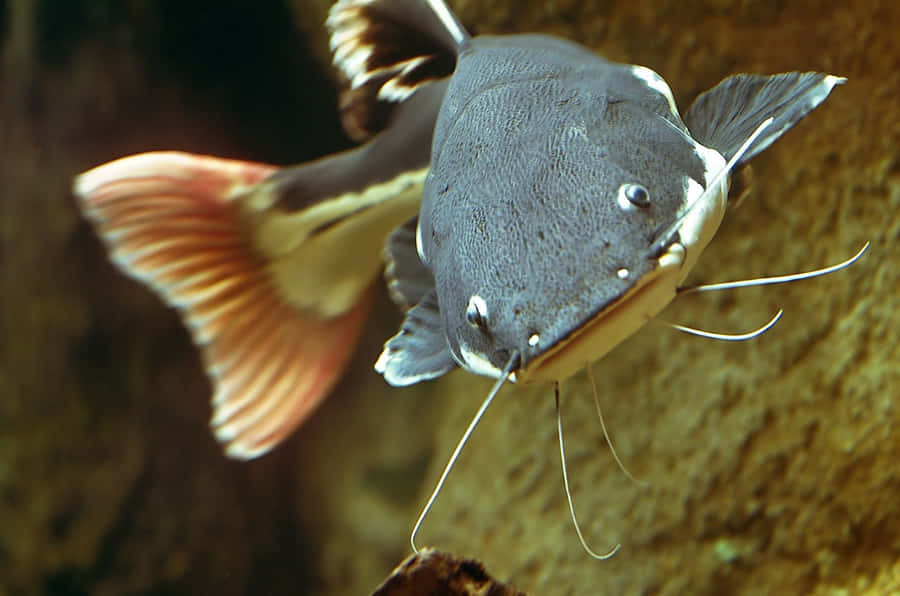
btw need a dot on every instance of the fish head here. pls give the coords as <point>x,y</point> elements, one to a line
<point>556,248</point>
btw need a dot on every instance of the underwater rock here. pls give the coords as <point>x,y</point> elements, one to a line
<point>431,572</point>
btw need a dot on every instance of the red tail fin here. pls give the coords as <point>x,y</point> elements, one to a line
<point>173,221</point>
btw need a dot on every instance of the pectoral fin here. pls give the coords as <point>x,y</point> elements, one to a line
<point>409,281</point>
<point>419,351</point>
<point>725,116</point>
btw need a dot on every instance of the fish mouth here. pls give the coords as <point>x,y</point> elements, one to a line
<point>608,327</point>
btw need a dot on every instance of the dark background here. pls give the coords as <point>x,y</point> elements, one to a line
<point>108,482</point>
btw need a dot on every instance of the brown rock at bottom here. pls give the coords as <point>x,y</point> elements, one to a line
<point>433,573</point>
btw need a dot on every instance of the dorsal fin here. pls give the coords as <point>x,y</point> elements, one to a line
<point>387,49</point>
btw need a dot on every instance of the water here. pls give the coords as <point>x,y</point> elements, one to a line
<point>772,464</point>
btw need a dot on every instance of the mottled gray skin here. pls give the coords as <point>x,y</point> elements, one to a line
<point>535,228</point>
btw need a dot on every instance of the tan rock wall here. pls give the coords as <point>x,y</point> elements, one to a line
<point>772,465</point>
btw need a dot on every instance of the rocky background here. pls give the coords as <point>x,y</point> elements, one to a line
<point>772,466</point>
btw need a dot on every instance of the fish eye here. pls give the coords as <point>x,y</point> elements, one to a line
<point>477,313</point>
<point>633,195</point>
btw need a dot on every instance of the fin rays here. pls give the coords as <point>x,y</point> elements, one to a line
<point>397,45</point>
<point>173,221</point>
<point>387,49</point>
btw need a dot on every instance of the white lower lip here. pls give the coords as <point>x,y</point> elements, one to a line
<point>478,364</point>
<point>596,337</point>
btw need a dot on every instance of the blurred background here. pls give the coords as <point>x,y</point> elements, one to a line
<point>773,466</point>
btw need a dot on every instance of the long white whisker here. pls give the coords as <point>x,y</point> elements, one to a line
<point>510,366</point>
<point>738,155</point>
<point>562,455</point>
<point>612,449</point>
<point>662,238</point>
<point>778,279</point>
<point>724,336</point>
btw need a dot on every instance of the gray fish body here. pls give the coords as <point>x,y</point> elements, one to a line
<point>539,202</point>
<point>534,138</point>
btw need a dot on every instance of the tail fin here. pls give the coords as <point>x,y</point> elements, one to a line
<point>723,117</point>
<point>270,267</point>
<point>173,221</point>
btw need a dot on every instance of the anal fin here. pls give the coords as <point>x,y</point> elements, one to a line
<point>174,222</point>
